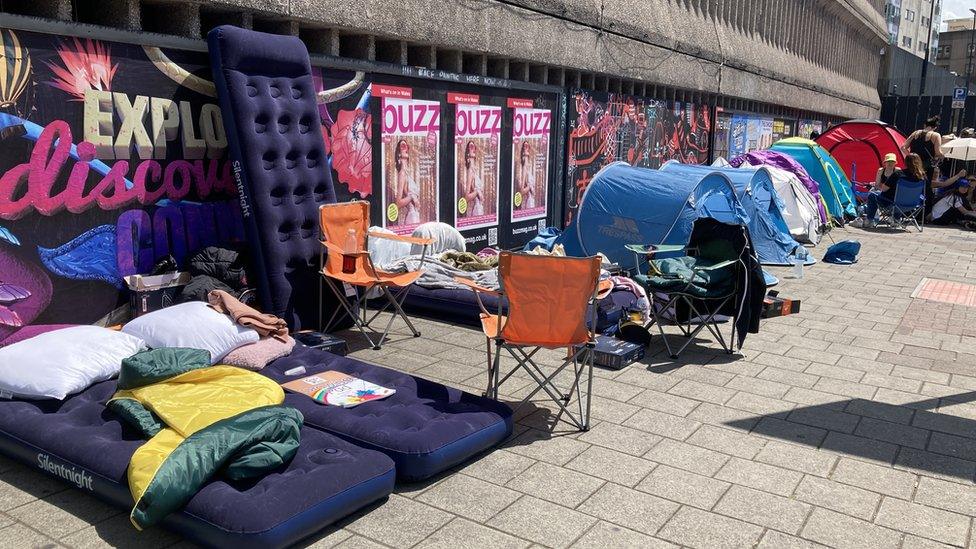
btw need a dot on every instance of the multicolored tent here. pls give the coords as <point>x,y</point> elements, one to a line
<point>835,187</point>
<point>859,146</point>
<point>773,159</point>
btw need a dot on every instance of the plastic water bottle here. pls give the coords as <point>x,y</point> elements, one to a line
<point>348,259</point>
<point>797,266</point>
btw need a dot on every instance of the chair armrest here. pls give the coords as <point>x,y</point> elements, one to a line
<point>335,248</point>
<point>717,266</point>
<point>477,289</point>
<point>652,249</point>
<point>401,238</point>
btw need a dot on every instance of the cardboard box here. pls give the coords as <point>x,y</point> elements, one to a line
<point>318,340</point>
<point>774,306</point>
<point>614,353</point>
<point>151,293</point>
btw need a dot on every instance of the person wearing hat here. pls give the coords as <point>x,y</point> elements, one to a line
<point>954,207</point>
<point>883,193</point>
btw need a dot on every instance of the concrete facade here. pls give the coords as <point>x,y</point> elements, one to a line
<point>913,25</point>
<point>818,56</point>
<point>953,54</point>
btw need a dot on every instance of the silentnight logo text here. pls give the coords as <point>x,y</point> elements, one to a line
<point>73,475</point>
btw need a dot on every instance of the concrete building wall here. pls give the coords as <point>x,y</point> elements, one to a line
<point>813,55</point>
<point>953,54</point>
<point>961,24</point>
<point>914,25</point>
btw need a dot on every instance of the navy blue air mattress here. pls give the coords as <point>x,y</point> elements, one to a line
<point>459,306</point>
<point>425,427</point>
<point>274,135</point>
<point>80,441</point>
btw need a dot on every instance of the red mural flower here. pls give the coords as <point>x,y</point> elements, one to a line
<point>87,66</point>
<point>352,155</point>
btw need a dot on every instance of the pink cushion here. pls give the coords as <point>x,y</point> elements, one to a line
<point>255,356</point>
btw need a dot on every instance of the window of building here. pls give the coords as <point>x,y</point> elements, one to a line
<point>906,41</point>
<point>909,15</point>
<point>925,21</point>
<point>922,46</point>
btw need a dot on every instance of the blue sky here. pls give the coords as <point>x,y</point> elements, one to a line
<point>955,9</point>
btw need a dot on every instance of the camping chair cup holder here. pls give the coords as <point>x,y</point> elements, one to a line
<point>353,287</point>
<point>667,294</point>
<point>547,300</point>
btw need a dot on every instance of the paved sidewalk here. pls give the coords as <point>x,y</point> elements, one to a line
<point>852,424</point>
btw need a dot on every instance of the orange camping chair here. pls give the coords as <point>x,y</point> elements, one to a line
<point>547,302</point>
<point>352,285</point>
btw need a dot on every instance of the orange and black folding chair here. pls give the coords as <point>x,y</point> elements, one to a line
<point>352,286</point>
<point>547,299</point>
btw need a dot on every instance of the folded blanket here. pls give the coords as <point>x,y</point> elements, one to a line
<point>264,324</point>
<point>469,262</point>
<point>437,274</point>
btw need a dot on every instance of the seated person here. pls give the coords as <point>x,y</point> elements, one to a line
<point>954,207</point>
<point>886,181</point>
<point>942,187</point>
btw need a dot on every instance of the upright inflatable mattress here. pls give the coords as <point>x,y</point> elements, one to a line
<point>278,158</point>
<point>425,427</point>
<point>80,441</point>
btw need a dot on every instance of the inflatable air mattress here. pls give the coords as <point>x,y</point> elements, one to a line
<point>449,305</point>
<point>81,442</point>
<point>425,427</point>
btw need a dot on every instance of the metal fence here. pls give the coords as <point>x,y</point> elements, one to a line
<point>909,113</point>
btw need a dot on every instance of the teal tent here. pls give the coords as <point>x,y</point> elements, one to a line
<point>835,188</point>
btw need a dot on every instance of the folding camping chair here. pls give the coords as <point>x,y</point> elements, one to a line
<point>352,288</point>
<point>908,206</point>
<point>547,299</point>
<point>702,282</point>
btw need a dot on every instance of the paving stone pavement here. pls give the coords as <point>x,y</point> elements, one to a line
<point>852,424</point>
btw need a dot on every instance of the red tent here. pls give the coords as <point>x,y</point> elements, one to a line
<point>859,146</point>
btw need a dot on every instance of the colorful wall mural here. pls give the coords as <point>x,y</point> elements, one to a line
<point>607,128</point>
<point>107,164</point>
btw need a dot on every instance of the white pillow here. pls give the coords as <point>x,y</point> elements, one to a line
<point>59,363</point>
<point>194,325</point>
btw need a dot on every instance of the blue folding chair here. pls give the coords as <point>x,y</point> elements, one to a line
<point>908,206</point>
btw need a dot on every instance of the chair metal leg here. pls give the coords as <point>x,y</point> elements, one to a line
<point>589,385</point>
<point>488,366</point>
<point>538,375</point>
<point>493,375</point>
<point>348,308</point>
<point>547,385</point>
<point>660,325</point>
<point>712,326</point>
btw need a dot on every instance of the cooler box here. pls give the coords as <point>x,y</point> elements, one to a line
<point>614,353</point>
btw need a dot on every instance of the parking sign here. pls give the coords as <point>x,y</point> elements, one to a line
<point>959,98</point>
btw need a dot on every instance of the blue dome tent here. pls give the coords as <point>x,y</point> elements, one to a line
<point>757,194</point>
<point>628,205</point>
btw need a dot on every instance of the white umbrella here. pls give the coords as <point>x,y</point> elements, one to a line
<point>960,149</point>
